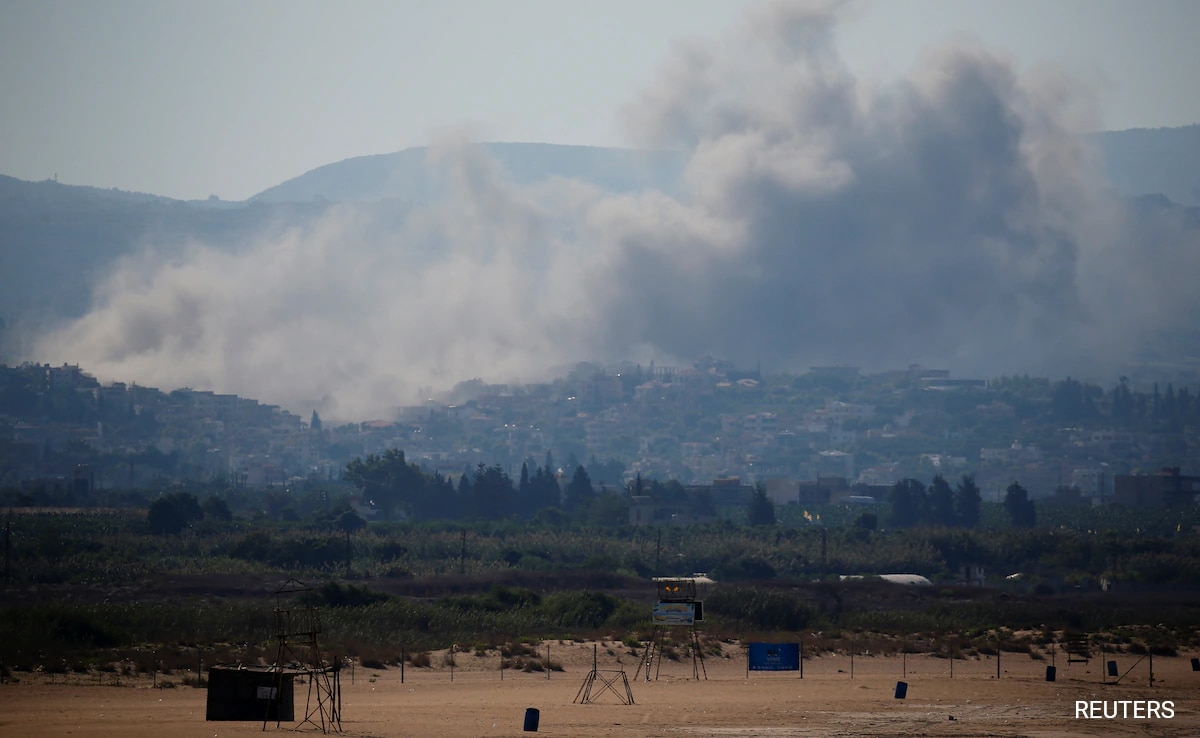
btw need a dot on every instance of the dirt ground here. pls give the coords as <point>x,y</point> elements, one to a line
<point>836,696</point>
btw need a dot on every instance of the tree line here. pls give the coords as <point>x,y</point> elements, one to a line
<point>399,488</point>
<point>913,504</point>
<point>1172,410</point>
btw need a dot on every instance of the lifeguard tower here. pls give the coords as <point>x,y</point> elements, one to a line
<point>680,604</point>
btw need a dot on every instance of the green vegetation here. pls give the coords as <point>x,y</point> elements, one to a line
<point>84,585</point>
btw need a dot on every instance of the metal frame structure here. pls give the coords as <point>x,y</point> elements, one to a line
<point>297,632</point>
<point>1077,648</point>
<point>607,680</point>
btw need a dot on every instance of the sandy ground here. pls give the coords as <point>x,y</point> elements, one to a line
<point>834,698</point>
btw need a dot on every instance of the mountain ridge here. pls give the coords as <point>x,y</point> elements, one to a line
<point>1137,161</point>
<point>404,175</point>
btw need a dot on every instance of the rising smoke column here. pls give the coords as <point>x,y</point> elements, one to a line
<point>937,218</point>
<point>351,315</point>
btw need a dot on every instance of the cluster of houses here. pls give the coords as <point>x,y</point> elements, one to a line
<point>697,424</point>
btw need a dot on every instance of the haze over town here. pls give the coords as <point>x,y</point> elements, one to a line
<point>948,212</point>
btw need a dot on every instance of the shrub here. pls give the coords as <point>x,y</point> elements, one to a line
<point>423,659</point>
<point>174,512</point>
<point>760,609</point>
<point>579,609</point>
<point>511,650</point>
<point>744,569</point>
<point>344,595</point>
<point>81,630</point>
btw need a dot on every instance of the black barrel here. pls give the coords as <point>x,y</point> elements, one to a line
<point>901,690</point>
<point>1050,673</point>
<point>532,715</point>
<point>1112,668</point>
<point>1195,664</point>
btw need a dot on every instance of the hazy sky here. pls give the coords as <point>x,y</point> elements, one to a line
<point>188,99</point>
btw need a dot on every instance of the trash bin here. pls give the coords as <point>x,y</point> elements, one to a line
<point>1050,673</point>
<point>532,715</point>
<point>1112,668</point>
<point>1195,664</point>
<point>901,690</point>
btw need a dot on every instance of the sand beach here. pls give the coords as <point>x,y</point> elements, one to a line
<point>836,696</point>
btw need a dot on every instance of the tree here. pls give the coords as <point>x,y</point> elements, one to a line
<point>174,512</point>
<point>490,493</point>
<point>1019,507</point>
<point>464,487</point>
<point>390,482</point>
<point>523,484</point>
<point>1122,406</point>
<point>609,509</point>
<point>216,508</point>
<point>441,500</point>
<point>579,492</point>
<point>702,503</point>
<point>1071,400</point>
<point>940,503</point>
<point>967,502</point>
<point>908,503</point>
<point>350,522</point>
<point>543,491</point>
<point>761,510</point>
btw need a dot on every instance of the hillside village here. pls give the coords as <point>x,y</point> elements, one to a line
<point>831,434</point>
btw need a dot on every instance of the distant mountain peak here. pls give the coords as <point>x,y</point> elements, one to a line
<point>404,175</point>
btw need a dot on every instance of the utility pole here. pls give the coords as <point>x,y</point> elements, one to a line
<point>658,555</point>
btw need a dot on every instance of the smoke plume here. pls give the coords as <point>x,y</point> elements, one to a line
<point>950,216</point>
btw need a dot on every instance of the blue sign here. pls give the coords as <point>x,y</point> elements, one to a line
<point>774,657</point>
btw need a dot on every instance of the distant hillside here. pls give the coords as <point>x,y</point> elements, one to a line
<point>1152,161</point>
<point>403,175</point>
<point>56,240</point>
<point>14,192</point>
<point>1138,162</point>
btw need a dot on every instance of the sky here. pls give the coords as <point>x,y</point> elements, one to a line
<point>189,99</point>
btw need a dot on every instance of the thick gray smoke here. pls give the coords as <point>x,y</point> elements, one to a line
<point>950,217</point>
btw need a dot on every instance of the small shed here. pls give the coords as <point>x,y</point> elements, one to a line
<point>247,693</point>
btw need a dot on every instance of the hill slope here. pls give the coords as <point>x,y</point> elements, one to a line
<point>403,175</point>
<point>1139,161</point>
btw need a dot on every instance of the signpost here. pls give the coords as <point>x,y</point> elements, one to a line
<point>674,613</point>
<point>773,657</point>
